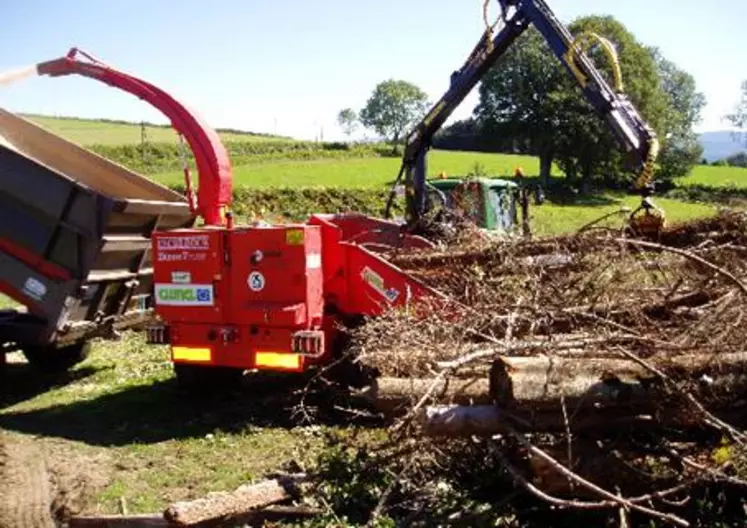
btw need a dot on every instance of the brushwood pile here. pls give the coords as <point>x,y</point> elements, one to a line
<point>596,373</point>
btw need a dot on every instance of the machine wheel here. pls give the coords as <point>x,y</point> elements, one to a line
<point>207,379</point>
<point>54,360</point>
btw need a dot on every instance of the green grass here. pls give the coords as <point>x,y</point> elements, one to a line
<point>553,219</point>
<point>92,132</point>
<point>366,172</point>
<point>152,443</point>
<point>710,176</point>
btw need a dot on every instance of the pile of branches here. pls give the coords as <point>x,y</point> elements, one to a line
<point>593,373</point>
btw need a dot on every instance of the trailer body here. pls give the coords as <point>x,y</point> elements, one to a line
<point>75,239</point>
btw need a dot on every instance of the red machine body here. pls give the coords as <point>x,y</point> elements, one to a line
<point>270,297</point>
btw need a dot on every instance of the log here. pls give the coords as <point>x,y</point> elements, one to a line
<point>154,520</point>
<point>539,383</point>
<point>391,395</point>
<point>488,420</point>
<point>543,381</point>
<point>230,504</point>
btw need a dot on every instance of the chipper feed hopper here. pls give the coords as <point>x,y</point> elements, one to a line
<point>75,238</point>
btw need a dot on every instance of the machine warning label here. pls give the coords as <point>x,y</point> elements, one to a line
<point>376,281</point>
<point>177,295</point>
<point>256,281</point>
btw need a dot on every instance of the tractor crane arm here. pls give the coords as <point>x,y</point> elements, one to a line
<point>634,135</point>
<point>213,163</point>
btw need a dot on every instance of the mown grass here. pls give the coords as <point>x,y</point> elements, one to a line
<point>556,218</point>
<point>90,132</point>
<point>711,176</point>
<point>366,172</point>
<point>158,444</point>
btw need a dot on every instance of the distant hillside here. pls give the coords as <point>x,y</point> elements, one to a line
<point>115,132</point>
<point>718,145</point>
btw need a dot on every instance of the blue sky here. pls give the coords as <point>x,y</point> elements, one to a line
<point>289,66</point>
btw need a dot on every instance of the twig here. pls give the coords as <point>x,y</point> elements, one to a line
<point>688,255</point>
<point>714,473</point>
<point>712,420</point>
<point>453,365</point>
<point>567,436</point>
<point>384,496</point>
<point>586,505</point>
<point>590,485</point>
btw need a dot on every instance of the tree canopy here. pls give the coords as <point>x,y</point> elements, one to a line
<point>528,94</point>
<point>348,120</point>
<point>393,108</point>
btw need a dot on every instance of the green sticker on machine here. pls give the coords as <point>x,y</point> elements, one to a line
<point>294,237</point>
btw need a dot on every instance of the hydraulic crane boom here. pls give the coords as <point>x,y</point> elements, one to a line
<point>632,132</point>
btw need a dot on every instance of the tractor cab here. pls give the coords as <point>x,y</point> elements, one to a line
<point>491,203</point>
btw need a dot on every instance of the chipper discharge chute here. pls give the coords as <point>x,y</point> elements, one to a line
<point>75,234</point>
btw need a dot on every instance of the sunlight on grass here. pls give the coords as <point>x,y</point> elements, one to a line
<point>366,172</point>
<point>90,132</point>
<point>711,176</point>
<point>551,219</point>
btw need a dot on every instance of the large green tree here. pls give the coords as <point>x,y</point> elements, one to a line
<point>393,108</point>
<point>681,149</point>
<point>528,94</point>
<point>519,99</point>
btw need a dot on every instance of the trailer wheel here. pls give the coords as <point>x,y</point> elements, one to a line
<point>207,379</point>
<point>53,360</point>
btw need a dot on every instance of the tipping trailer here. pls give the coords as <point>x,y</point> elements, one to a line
<point>75,243</point>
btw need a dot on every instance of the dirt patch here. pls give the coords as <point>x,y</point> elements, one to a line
<point>42,483</point>
<point>25,487</point>
<point>76,477</point>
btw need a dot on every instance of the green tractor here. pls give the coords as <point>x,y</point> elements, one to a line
<point>496,205</point>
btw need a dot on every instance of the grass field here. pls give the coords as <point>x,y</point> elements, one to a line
<point>90,132</point>
<point>135,436</point>
<point>366,172</point>
<point>711,176</point>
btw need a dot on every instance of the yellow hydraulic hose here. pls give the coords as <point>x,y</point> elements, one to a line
<point>488,26</point>
<point>647,173</point>
<point>581,44</point>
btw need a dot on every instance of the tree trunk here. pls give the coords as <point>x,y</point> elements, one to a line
<point>543,384</point>
<point>546,159</point>
<point>487,420</point>
<point>540,382</point>
<point>391,395</point>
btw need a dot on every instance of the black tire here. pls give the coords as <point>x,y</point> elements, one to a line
<point>54,360</point>
<point>200,378</point>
